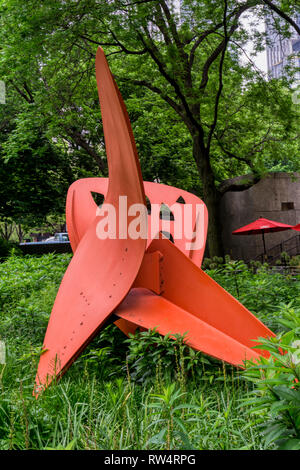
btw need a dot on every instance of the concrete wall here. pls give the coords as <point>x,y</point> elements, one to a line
<point>264,199</point>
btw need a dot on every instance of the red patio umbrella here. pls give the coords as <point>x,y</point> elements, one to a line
<point>262,226</point>
<point>296,227</point>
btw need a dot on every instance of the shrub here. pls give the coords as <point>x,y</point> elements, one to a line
<point>285,258</point>
<point>276,397</point>
<point>295,261</point>
<point>212,263</point>
<point>151,355</point>
<point>6,248</point>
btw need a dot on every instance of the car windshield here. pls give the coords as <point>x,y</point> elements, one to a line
<point>61,237</point>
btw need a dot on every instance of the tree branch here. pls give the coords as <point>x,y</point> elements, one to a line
<point>26,88</point>
<point>79,140</point>
<point>27,98</point>
<point>138,2</point>
<point>127,51</point>
<point>117,43</point>
<point>221,45</point>
<point>171,24</point>
<point>236,157</point>
<point>162,25</point>
<point>199,41</point>
<point>241,183</point>
<point>159,92</point>
<point>154,53</point>
<point>207,33</point>
<point>218,96</point>
<point>283,15</point>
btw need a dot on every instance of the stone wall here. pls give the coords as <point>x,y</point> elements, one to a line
<point>275,197</point>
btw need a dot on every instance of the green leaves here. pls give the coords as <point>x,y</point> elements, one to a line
<point>277,390</point>
<point>267,294</point>
<point>168,68</point>
<point>285,393</point>
<point>163,396</point>
<point>69,446</point>
<point>167,411</point>
<point>289,444</point>
<point>152,357</point>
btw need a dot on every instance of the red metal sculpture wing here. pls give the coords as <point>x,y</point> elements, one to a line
<point>190,301</point>
<point>102,270</point>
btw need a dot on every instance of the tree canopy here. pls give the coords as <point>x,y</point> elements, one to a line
<point>200,116</point>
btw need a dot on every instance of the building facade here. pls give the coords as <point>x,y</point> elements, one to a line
<point>275,197</point>
<point>282,51</point>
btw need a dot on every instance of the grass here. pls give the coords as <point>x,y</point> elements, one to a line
<point>105,400</point>
<point>115,414</point>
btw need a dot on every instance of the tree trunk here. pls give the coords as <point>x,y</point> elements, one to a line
<point>211,197</point>
<point>6,230</point>
<point>20,233</point>
<point>214,239</point>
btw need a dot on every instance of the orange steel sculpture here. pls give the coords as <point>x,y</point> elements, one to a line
<point>151,283</point>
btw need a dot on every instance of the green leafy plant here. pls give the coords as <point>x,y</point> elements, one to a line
<point>295,261</point>
<point>6,248</point>
<point>69,446</point>
<point>169,409</point>
<point>151,356</point>
<point>212,263</point>
<point>276,397</point>
<point>285,258</point>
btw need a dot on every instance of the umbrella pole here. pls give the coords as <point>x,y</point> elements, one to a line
<point>263,237</point>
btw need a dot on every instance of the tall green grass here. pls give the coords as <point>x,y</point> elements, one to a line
<point>119,394</point>
<point>91,413</point>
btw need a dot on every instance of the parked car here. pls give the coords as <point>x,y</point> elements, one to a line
<point>59,243</point>
<point>58,237</point>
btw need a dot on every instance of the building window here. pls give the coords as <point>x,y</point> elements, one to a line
<point>287,206</point>
<point>296,46</point>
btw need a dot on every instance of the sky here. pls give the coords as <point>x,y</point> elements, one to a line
<point>261,59</point>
